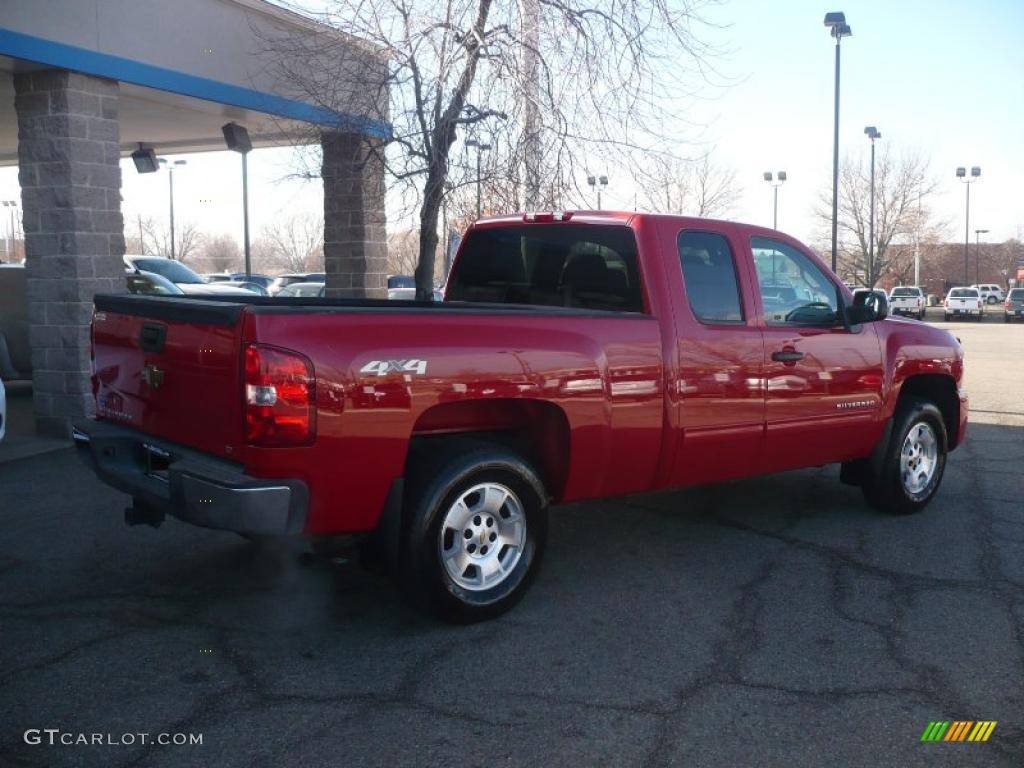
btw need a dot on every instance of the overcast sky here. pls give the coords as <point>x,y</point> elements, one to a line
<point>944,78</point>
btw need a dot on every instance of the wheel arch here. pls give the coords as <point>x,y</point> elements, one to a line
<point>536,429</point>
<point>940,389</point>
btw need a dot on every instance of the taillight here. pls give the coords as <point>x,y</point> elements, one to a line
<point>280,397</point>
<point>542,217</point>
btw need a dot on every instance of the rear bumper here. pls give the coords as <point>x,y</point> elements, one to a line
<point>912,311</point>
<point>190,485</point>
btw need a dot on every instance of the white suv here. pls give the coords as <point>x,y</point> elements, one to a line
<point>990,292</point>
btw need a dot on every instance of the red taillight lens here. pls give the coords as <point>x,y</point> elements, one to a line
<point>280,397</point>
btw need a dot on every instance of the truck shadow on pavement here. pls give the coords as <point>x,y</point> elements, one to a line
<point>779,604</point>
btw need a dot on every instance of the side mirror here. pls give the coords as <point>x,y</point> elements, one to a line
<point>868,307</point>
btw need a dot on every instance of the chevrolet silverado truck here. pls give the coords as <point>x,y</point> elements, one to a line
<point>907,300</point>
<point>575,355</point>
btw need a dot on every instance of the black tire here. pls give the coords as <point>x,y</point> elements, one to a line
<point>883,485</point>
<point>437,480</point>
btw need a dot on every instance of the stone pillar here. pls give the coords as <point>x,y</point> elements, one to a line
<point>355,245</point>
<point>68,167</point>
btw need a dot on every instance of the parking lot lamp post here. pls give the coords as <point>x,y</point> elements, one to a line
<point>961,173</point>
<point>236,137</point>
<point>170,193</point>
<point>838,28</point>
<point>12,204</point>
<point>481,147</point>
<point>597,182</point>
<point>977,253</point>
<point>872,133</point>
<point>781,178</point>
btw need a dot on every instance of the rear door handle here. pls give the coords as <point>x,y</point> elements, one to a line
<point>787,356</point>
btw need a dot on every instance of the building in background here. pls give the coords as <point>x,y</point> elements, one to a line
<point>85,83</point>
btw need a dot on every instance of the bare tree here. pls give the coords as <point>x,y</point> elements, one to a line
<point>296,243</point>
<point>691,187</point>
<point>220,253</point>
<point>904,189</point>
<point>146,235</point>
<point>557,81</point>
<point>403,252</point>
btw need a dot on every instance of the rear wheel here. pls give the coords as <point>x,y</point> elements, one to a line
<point>904,474</point>
<point>476,528</point>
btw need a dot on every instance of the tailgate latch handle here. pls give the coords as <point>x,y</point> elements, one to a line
<point>789,356</point>
<point>152,337</point>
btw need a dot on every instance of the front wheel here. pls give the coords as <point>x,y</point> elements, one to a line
<point>475,533</point>
<point>904,474</point>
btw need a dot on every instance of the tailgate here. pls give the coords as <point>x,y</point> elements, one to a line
<point>170,367</point>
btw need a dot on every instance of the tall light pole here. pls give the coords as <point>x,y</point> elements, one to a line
<point>11,232</point>
<point>977,253</point>
<point>872,133</point>
<point>961,173</point>
<point>170,193</point>
<point>237,139</point>
<point>481,147</point>
<point>598,182</point>
<point>836,22</point>
<point>781,178</point>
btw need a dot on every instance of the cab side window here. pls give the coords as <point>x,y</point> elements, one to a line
<point>709,273</point>
<point>794,290</point>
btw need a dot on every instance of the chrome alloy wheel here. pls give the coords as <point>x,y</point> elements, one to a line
<point>482,536</point>
<point>919,458</point>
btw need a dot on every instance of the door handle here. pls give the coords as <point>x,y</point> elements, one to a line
<point>787,356</point>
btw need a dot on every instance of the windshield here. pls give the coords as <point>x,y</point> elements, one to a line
<point>906,292</point>
<point>558,265</point>
<point>1017,294</point>
<point>963,293</point>
<point>174,271</point>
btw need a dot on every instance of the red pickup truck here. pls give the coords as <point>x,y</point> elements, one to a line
<point>575,356</point>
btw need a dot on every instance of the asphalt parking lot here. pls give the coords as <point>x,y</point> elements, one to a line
<point>768,622</point>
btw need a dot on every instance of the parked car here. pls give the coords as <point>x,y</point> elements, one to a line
<point>151,284</point>
<point>409,294</point>
<point>576,356</point>
<point>301,290</point>
<point>907,300</point>
<point>282,281</point>
<point>187,280</point>
<point>990,292</point>
<point>247,285</point>
<point>401,281</point>
<point>963,302</point>
<point>1013,308</point>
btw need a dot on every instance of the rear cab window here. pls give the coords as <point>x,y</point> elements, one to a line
<point>709,274</point>
<point>586,266</point>
<point>964,293</point>
<point>906,292</point>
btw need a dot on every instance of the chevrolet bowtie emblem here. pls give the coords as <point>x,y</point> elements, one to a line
<point>153,376</point>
